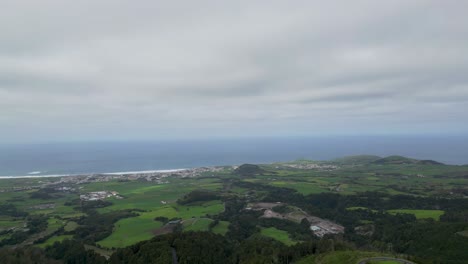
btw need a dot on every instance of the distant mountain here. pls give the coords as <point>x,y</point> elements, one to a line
<point>430,162</point>
<point>395,160</point>
<point>357,159</point>
<point>404,160</point>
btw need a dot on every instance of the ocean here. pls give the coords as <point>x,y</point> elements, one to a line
<point>107,157</point>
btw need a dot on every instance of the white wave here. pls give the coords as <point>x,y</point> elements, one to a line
<point>36,176</point>
<point>89,174</point>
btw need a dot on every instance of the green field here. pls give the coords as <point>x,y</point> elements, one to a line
<point>131,230</point>
<point>302,187</point>
<point>359,208</point>
<point>420,214</point>
<point>221,228</point>
<point>135,229</point>
<point>6,224</point>
<point>70,226</point>
<point>339,257</point>
<point>277,234</point>
<point>189,211</point>
<point>197,224</point>
<point>54,239</point>
<point>151,196</point>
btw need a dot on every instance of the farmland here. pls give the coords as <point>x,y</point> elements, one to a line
<point>364,197</point>
<point>277,234</point>
<point>420,214</point>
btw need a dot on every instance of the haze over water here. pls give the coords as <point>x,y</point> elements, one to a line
<point>101,157</point>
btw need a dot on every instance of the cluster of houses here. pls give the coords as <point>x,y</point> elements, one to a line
<point>101,195</point>
<point>310,166</point>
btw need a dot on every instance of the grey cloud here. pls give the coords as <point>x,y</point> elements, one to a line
<point>349,97</point>
<point>213,67</point>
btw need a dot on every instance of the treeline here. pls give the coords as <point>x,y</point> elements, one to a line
<point>11,210</point>
<point>206,247</point>
<point>68,251</point>
<point>96,226</point>
<point>46,194</point>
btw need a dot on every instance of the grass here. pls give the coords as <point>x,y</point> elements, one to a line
<point>129,231</point>
<point>339,257</point>
<point>6,224</point>
<point>302,187</point>
<point>420,214</point>
<point>197,224</point>
<point>70,226</point>
<point>187,211</point>
<point>135,229</point>
<point>54,224</point>
<point>221,228</point>
<point>277,234</point>
<point>151,196</point>
<point>54,239</point>
<point>358,208</point>
<point>2,237</point>
<point>103,252</point>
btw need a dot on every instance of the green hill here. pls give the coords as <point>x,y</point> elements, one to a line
<point>357,159</point>
<point>249,170</point>
<point>395,160</point>
<point>400,160</point>
<point>429,162</point>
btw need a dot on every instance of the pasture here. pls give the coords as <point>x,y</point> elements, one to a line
<point>129,231</point>
<point>54,239</point>
<point>280,235</point>
<point>420,214</point>
<point>221,228</point>
<point>135,229</point>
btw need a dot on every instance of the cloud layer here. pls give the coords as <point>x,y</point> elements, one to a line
<point>80,70</point>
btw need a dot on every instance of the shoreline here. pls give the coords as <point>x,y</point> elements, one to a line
<point>91,174</point>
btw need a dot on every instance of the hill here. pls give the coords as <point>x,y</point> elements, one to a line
<point>249,170</point>
<point>430,162</point>
<point>400,160</point>
<point>357,159</point>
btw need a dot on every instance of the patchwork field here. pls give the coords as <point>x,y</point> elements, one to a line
<point>139,202</point>
<point>277,234</point>
<point>197,224</point>
<point>130,231</point>
<point>135,229</point>
<point>420,214</point>
<point>54,239</point>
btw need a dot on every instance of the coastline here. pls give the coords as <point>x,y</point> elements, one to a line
<point>91,174</point>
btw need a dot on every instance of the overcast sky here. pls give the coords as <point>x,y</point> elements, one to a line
<point>95,70</point>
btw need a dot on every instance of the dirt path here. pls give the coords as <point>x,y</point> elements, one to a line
<point>174,256</point>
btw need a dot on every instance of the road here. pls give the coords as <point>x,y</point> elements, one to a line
<point>402,261</point>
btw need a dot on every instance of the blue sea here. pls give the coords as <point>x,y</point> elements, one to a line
<point>102,157</point>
